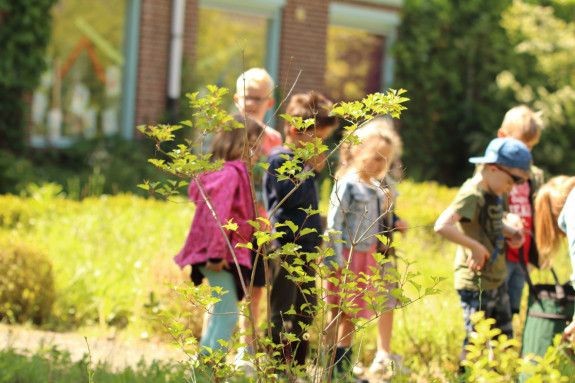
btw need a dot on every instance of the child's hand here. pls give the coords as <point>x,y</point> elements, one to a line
<point>517,239</point>
<point>513,220</point>
<point>401,225</point>
<point>479,256</point>
<point>217,266</point>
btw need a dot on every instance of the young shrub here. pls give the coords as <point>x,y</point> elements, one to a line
<point>15,212</point>
<point>26,282</point>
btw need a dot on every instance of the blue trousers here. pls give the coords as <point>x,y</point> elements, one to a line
<point>225,313</point>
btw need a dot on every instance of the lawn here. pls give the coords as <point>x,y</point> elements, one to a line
<point>112,255</point>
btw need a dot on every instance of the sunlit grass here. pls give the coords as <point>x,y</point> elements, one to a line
<point>113,255</point>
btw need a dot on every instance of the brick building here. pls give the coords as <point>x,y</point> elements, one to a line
<point>171,47</point>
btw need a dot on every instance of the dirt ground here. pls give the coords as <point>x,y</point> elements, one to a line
<point>116,354</point>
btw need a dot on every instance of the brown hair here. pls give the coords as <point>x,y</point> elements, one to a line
<point>310,105</point>
<point>522,123</point>
<point>370,135</point>
<point>231,145</point>
<point>549,202</point>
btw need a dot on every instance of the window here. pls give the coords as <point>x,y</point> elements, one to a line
<point>357,53</point>
<point>227,43</point>
<point>80,94</point>
<point>354,63</point>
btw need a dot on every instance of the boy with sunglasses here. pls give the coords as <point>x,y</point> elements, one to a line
<point>474,221</point>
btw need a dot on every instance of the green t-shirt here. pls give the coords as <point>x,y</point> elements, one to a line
<point>481,220</point>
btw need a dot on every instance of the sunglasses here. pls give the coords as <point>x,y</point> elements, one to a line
<point>516,179</point>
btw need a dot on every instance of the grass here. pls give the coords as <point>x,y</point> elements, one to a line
<point>112,255</point>
<point>54,365</point>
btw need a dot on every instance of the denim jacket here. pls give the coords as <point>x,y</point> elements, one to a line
<point>360,205</point>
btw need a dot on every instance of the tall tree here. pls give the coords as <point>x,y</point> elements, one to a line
<point>24,36</point>
<point>448,56</point>
<point>545,36</point>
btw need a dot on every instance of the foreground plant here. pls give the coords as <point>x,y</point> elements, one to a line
<point>186,162</point>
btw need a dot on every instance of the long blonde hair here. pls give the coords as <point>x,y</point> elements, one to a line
<point>549,202</point>
<point>370,135</point>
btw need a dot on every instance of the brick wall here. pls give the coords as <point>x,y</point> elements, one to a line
<point>153,60</point>
<point>302,48</point>
<point>303,40</point>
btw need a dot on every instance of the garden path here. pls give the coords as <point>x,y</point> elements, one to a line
<point>116,354</point>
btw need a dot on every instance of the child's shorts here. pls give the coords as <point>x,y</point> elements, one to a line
<point>362,262</point>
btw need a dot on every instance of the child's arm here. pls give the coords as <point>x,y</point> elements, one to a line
<point>339,203</point>
<point>400,224</point>
<point>445,226</point>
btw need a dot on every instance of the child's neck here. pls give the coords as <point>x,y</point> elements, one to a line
<point>482,183</point>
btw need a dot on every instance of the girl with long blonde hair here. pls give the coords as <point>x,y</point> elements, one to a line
<point>555,219</point>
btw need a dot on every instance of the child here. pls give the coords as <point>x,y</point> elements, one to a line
<point>555,219</point>
<point>206,249</point>
<point>357,202</point>
<point>284,292</point>
<point>474,222</point>
<point>254,97</point>
<point>385,360</point>
<point>525,125</point>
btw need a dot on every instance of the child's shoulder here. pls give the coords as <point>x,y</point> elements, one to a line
<point>277,152</point>
<point>470,192</point>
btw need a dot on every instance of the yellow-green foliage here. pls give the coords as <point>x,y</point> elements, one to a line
<point>110,255</point>
<point>13,212</point>
<point>26,282</point>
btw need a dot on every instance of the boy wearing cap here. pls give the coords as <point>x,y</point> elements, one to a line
<point>474,222</point>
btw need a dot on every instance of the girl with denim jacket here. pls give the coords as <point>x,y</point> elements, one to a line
<point>359,206</point>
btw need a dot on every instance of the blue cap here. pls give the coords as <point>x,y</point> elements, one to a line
<point>505,151</point>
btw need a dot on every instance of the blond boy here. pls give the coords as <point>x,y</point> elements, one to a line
<point>254,97</point>
<point>525,125</point>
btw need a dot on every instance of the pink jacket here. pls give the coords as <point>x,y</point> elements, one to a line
<point>230,194</point>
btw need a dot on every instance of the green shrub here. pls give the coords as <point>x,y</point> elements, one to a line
<point>26,282</point>
<point>14,212</point>
<point>15,172</point>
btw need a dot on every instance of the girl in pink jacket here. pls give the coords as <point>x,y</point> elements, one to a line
<point>206,249</point>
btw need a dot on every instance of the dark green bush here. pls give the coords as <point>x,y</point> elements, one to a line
<point>26,282</point>
<point>15,172</point>
<point>104,165</point>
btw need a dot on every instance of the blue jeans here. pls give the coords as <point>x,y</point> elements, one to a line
<point>495,304</point>
<point>515,282</point>
<point>225,313</point>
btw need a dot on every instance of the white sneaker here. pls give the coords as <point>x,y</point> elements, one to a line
<point>387,364</point>
<point>246,366</point>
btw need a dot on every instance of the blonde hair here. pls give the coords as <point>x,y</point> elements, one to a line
<point>231,145</point>
<point>257,78</point>
<point>522,123</point>
<point>371,134</point>
<point>549,202</point>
